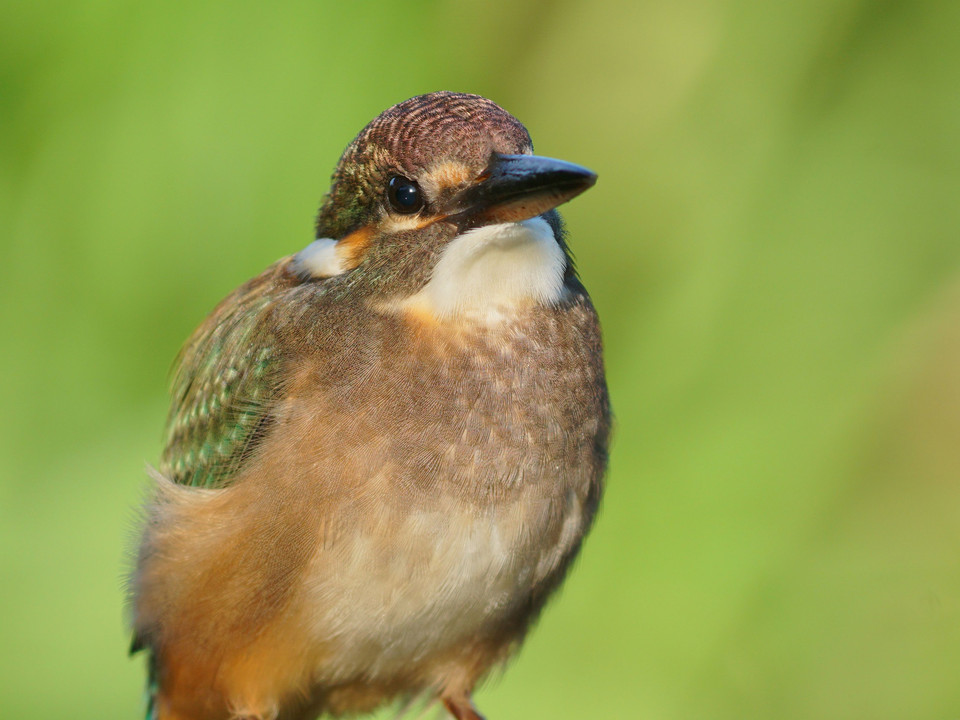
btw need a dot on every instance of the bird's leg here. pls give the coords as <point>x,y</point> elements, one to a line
<point>461,708</point>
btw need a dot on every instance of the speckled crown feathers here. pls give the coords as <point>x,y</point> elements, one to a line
<point>409,136</point>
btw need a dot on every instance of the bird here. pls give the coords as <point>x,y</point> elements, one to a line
<point>382,453</point>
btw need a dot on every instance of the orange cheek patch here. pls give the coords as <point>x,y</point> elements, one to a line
<point>352,248</point>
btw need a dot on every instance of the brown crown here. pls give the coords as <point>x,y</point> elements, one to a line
<point>409,137</point>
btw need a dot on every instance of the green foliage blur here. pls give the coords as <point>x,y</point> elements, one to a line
<point>772,245</point>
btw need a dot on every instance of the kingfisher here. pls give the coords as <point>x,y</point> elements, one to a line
<point>384,451</point>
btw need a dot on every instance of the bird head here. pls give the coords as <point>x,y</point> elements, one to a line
<point>440,204</point>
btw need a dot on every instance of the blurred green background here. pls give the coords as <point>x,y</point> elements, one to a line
<point>772,245</point>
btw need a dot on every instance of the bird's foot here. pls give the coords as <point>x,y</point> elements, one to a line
<point>462,708</point>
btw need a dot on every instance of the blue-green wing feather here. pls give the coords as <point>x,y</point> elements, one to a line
<point>224,388</point>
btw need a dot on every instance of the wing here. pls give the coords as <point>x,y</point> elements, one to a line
<point>225,386</point>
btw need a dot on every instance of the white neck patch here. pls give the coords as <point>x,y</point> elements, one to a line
<point>488,271</point>
<point>319,259</point>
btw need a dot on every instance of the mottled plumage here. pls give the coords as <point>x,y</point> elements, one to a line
<point>225,385</point>
<point>379,464</point>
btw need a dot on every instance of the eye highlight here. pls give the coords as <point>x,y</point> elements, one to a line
<point>405,195</point>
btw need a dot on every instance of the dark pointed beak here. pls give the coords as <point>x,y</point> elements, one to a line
<point>518,187</point>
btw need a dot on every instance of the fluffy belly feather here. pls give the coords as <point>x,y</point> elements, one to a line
<point>384,601</point>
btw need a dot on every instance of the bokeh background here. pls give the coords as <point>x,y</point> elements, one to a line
<point>773,247</point>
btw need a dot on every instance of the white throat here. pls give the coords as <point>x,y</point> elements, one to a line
<point>488,272</point>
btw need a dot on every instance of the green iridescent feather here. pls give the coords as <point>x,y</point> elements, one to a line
<point>223,390</point>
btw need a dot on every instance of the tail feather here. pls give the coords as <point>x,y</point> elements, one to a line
<point>153,686</point>
<point>153,683</point>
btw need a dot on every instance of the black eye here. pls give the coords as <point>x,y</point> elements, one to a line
<point>405,196</point>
